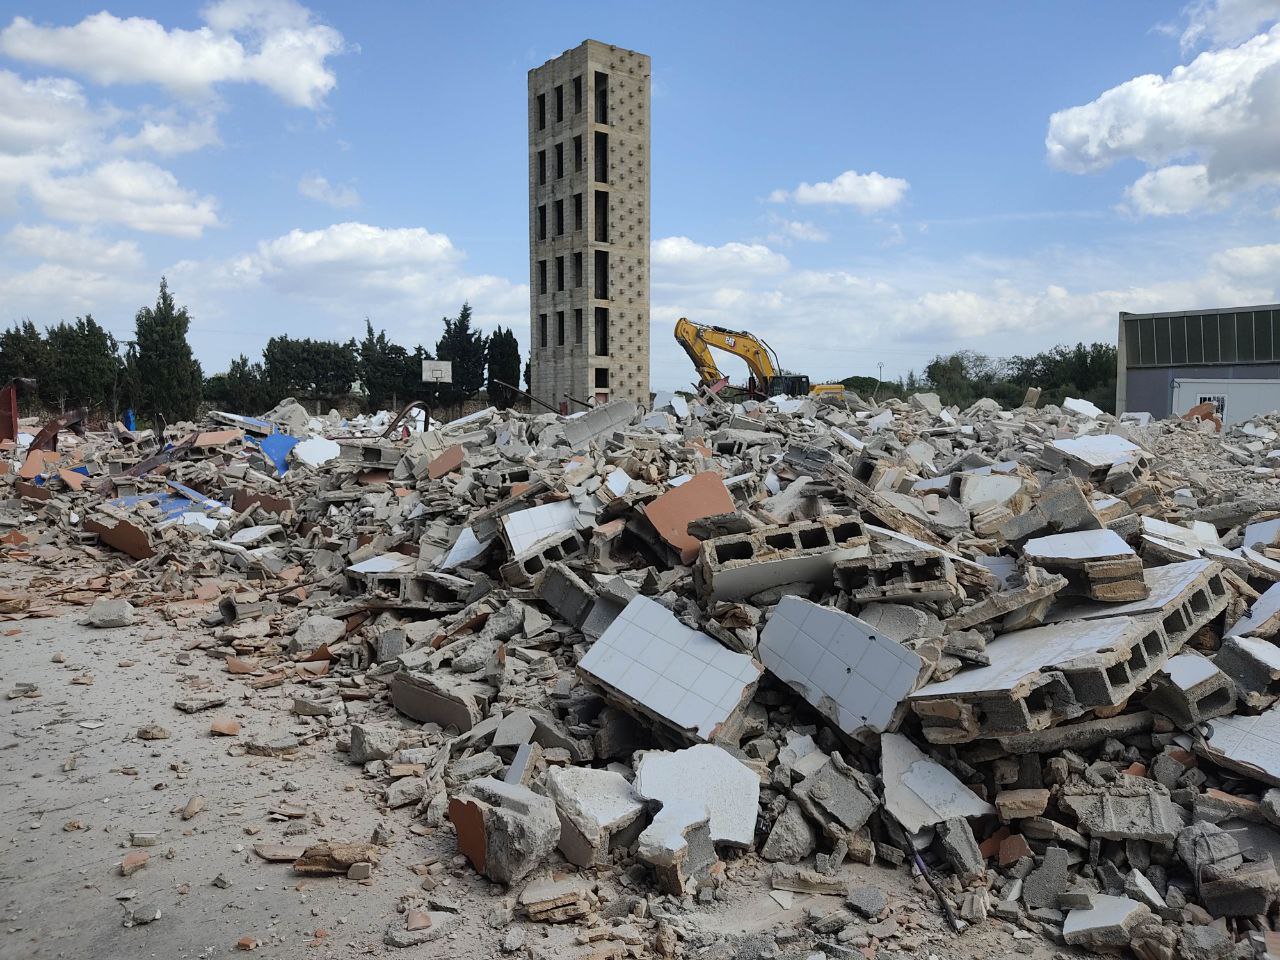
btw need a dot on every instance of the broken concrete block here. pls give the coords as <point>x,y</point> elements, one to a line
<point>597,809</point>
<point>315,632</point>
<point>448,700</point>
<point>1042,676</point>
<point>107,612</point>
<point>960,847</point>
<point>792,837</point>
<point>1020,804</point>
<point>1043,885</point>
<point>650,663</point>
<point>742,565</point>
<point>505,830</point>
<point>1191,689</point>
<point>1185,596</point>
<point>915,576</point>
<point>921,792</point>
<point>1248,891</point>
<point>372,743</point>
<point>837,792</point>
<point>334,859</point>
<point>1107,925</point>
<point>607,418</point>
<point>678,845</point>
<point>1128,808</point>
<point>1253,665</point>
<point>709,777</point>
<point>851,674</point>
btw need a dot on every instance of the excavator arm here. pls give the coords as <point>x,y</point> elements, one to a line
<point>698,339</point>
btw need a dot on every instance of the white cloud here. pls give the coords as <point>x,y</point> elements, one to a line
<point>276,43</point>
<point>798,230</point>
<point>1261,261</point>
<point>1208,131</point>
<point>337,195</point>
<point>1226,21</point>
<point>867,192</point>
<point>405,278</point>
<point>135,193</point>
<point>83,247</point>
<point>681,257</point>
<point>169,139</point>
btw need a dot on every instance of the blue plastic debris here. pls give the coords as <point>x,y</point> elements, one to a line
<point>276,447</point>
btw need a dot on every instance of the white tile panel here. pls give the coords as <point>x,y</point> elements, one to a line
<point>1251,743</point>
<point>676,673</point>
<point>524,528</point>
<point>842,665</point>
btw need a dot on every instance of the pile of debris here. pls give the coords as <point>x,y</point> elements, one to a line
<point>1028,653</point>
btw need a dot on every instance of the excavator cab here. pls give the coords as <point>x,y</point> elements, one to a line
<point>792,384</point>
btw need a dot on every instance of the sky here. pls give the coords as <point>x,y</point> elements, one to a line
<point>861,184</point>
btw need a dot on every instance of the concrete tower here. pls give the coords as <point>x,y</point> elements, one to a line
<point>589,226</point>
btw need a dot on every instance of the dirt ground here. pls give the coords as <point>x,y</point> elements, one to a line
<point>77,782</point>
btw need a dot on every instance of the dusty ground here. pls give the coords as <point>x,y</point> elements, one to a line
<point>77,780</point>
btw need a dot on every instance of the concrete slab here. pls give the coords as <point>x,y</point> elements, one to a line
<point>673,673</point>
<point>1263,617</point>
<point>704,776</point>
<point>524,528</point>
<point>1076,547</point>
<point>921,792</point>
<point>1098,451</point>
<point>849,672</point>
<point>1248,745</point>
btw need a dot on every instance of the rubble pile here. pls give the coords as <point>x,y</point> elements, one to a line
<point>1028,655</point>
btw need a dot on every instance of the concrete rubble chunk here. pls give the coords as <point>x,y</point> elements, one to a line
<point>791,838</point>
<point>106,612</point>
<point>597,809</point>
<point>679,848</point>
<point>1107,926</point>
<point>851,674</point>
<point>920,792</point>
<point>837,793</point>
<point>707,776</point>
<point>316,631</point>
<point>505,830</point>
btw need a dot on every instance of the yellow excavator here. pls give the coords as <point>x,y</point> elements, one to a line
<point>766,379</point>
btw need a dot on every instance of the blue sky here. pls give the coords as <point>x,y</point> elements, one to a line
<point>859,183</point>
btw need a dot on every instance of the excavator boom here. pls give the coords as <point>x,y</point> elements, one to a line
<point>698,339</point>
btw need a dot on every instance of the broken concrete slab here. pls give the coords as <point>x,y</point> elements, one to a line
<point>597,809</point>
<point>1107,925</point>
<point>1190,689</point>
<point>444,699</point>
<point>649,662</point>
<point>791,838</point>
<point>678,845</point>
<point>1042,676</point>
<point>709,777</point>
<point>920,792</point>
<point>848,671</point>
<point>1246,744</point>
<point>504,830</point>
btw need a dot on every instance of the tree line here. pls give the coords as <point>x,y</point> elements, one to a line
<point>156,373</point>
<point>1087,371</point>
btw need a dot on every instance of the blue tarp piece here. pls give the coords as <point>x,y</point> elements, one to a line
<point>276,447</point>
<point>171,505</point>
<point>129,421</point>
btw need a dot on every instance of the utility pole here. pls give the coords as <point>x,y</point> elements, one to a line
<point>879,380</point>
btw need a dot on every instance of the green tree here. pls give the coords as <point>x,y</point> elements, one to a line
<point>84,366</point>
<point>311,369</point>
<point>23,353</point>
<point>242,389</point>
<point>169,378</point>
<point>391,375</point>
<point>503,360</point>
<point>465,348</point>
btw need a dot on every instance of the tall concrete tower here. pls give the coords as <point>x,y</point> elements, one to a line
<point>589,226</point>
